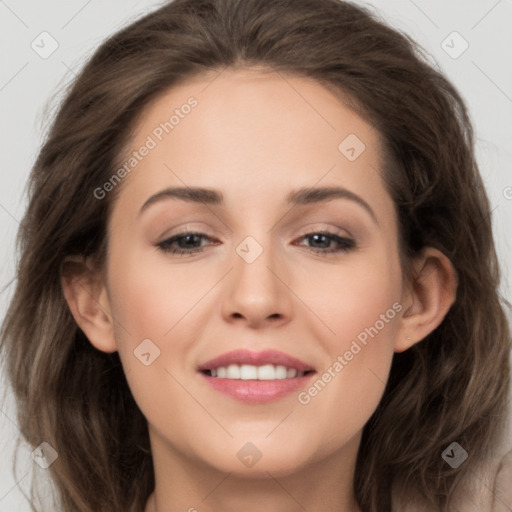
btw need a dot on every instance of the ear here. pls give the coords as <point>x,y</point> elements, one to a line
<point>428,297</point>
<point>86,294</point>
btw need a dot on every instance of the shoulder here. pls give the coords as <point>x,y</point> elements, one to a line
<point>489,489</point>
<point>502,491</point>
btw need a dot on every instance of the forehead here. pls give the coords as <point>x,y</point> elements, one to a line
<point>255,135</point>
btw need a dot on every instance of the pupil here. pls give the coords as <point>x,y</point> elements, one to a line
<point>315,238</point>
<point>189,238</point>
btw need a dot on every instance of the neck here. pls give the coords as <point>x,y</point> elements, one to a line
<point>187,485</point>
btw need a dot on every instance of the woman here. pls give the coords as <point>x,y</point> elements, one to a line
<point>257,272</point>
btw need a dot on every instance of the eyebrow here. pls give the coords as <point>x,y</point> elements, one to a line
<point>299,197</point>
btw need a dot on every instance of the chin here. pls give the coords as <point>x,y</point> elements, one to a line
<point>253,459</point>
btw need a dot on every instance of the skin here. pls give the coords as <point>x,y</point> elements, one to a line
<point>255,136</point>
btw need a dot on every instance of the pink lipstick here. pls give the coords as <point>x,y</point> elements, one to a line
<point>256,377</point>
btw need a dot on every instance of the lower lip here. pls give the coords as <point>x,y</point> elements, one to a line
<point>257,391</point>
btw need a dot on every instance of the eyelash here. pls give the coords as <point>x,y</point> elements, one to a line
<point>345,244</point>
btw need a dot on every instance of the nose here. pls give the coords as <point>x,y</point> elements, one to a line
<point>257,292</point>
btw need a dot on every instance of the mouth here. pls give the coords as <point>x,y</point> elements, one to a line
<point>252,372</point>
<point>256,377</point>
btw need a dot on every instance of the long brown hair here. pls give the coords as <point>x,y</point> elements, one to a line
<point>452,386</point>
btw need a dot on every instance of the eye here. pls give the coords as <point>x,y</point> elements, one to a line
<point>321,238</point>
<point>183,244</point>
<point>188,243</point>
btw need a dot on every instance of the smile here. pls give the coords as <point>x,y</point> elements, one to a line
<point>252,372</point>
<point>256,377</point>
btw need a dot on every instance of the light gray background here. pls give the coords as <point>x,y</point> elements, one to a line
<point>483,74</point>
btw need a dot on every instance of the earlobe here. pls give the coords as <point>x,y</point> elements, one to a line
<point>86,295</point>
<point>431,293</point>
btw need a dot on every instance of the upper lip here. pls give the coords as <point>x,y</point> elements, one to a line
<point>243,356</point>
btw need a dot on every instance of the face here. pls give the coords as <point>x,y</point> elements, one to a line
<point>283,276</point>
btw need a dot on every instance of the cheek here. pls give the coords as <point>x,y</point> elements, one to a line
<point>348,388</point>
<point>152,298</point>
<point>360,305</point>
<point>355,295</point>
<point>151,308</point>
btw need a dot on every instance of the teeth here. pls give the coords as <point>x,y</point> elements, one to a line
<point>247,372</point>
<point>291,373</point>
<point>268,372</point>
<point>251,372</point>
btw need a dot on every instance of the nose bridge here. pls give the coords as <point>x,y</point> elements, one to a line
<point>256,257</point>
<point>256,289</point>
<point>255,251</point>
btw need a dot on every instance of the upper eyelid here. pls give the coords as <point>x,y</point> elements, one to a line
<point>309,232</point>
